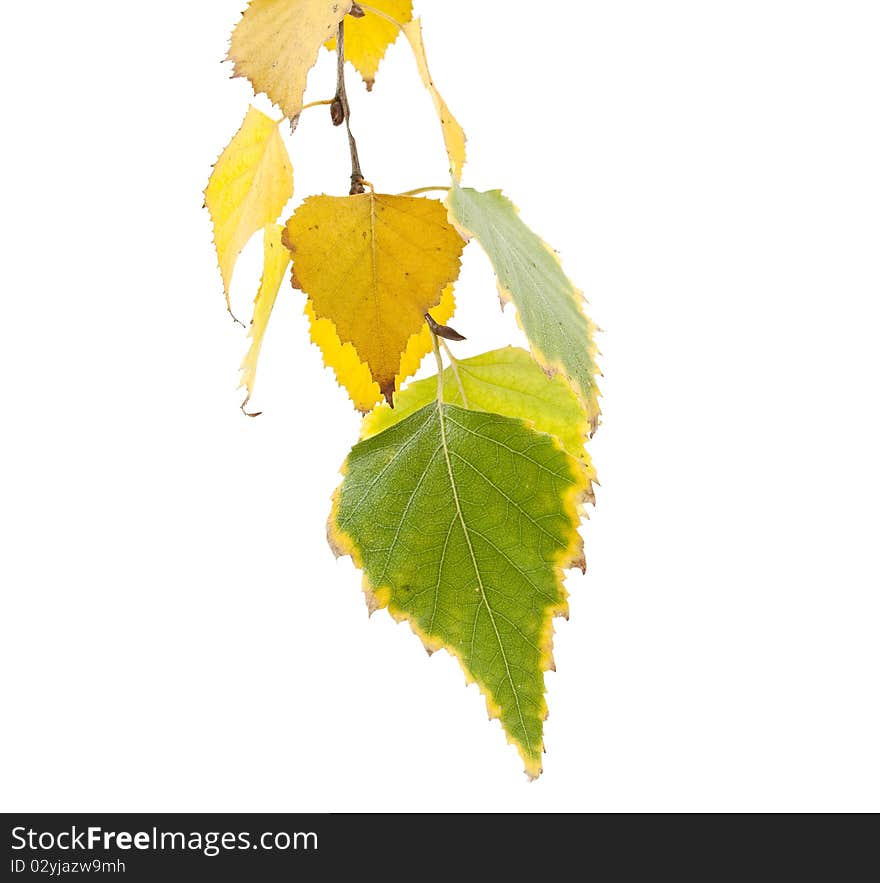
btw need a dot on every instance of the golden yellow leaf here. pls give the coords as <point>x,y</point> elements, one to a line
<point>374,265</point>
<point>275,261</point>
<point>353,374</point>
<point>453,134</point>
<point>368,38</point>
<point>250,185</point>
<point>277,42</point>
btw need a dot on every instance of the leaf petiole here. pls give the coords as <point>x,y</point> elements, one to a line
<point>439,358</point>
<point>419,190</point>
<point>322,103</point>
<point>385,15</point>
<point>453,363</point>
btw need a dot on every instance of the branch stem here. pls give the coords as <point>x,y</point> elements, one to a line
<point>357,176</point>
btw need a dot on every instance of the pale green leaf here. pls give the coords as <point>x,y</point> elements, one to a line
<point>505,381</point>
<point>549,307</point>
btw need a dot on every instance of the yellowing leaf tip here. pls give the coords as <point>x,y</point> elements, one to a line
<point>454,137</point>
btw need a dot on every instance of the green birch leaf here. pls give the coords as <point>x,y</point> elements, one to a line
<point>549,307</point>
<point>505,381</point>
<point>462,523</point>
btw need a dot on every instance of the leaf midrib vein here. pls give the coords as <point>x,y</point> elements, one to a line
<point>375,278</point>
<point>445,445</point>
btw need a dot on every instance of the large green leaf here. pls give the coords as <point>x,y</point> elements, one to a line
<point>505,381</point>
<point>462,522</point>
<point>549,307</point>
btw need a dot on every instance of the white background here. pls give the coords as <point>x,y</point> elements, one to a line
<point>176,633</point>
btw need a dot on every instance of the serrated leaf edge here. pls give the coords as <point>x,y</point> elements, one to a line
<point>343,359</point>
<point>257,332</point>
<point>227,283</point>
<point>240,64</point>
<point>369,82</point>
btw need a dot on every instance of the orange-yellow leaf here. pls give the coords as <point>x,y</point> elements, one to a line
<point>453,134</point>
<point>250,185</point>
<point>275,261</point>
<point>353,374</point>
<point>277,42</point>
<point>374,265</point>
<point>368,38</point>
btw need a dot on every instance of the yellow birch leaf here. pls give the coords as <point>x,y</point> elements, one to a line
<point>352,374</point>
<point>374,265</point>
<point>250,185</point>
<point>277,42</point>
<point>453,134</point>
<point>368,38</point>
<point>276,259</point>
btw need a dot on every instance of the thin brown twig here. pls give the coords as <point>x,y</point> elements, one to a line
<point>357,176</point>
